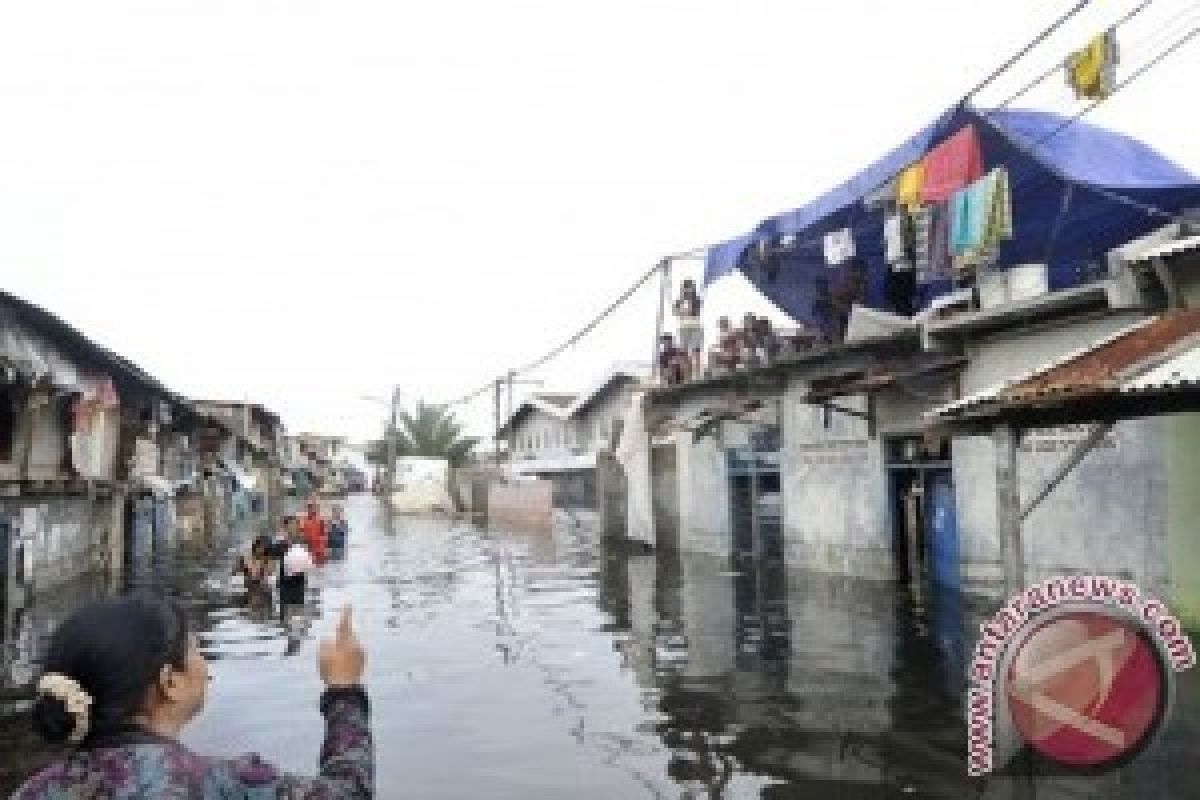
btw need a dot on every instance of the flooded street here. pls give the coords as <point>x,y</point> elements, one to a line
<point>546,665</point>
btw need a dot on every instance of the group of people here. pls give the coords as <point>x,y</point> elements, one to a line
<point>755,343</point>
<point>121,678</point>
<point>285,559</point>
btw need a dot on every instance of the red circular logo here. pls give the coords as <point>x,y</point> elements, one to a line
<point>1086,689</point>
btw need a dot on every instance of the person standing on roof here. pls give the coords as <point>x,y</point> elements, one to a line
<point>691,328</point>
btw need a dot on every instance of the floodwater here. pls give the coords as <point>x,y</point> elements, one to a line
<point>547,665</point>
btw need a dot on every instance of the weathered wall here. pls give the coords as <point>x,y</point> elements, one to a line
<point>834,495</point>
<point>64,536</point>
<point>1183,515</point>
<point>1005,356</point>
<point>704,514</point>
<point>633,453</point>
<point>1109,515</point>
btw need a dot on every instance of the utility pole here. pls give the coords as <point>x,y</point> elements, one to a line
<point>499,423</point>
<point>664,286</point>
<point>506,381</point>
<point>393,421</point>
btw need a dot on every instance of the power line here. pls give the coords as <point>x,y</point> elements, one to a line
<point>1015,57</point>
<point>1139,72</point>
<point>1059,65</point>
<point>586,329</point>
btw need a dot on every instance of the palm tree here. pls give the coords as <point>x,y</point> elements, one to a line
<point>429,431</point>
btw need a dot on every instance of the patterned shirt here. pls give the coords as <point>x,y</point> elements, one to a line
<point>138,764</point>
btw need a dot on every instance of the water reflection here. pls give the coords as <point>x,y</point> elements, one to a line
<point>550,664</point>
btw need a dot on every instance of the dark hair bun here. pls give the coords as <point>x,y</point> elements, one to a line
<point>51,719</point>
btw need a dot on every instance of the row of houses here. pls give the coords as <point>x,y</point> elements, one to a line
<point>980,451</point>
<point>103,468</point>
<point>564,438</point>
<point>1027,417</point>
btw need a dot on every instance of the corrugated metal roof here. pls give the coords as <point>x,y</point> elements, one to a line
<point>1181,371</point>
<point>992,394</point>
<point>1136,358</point>
<point>1188,245</point>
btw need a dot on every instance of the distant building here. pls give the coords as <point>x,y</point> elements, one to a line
<point>558,436</point>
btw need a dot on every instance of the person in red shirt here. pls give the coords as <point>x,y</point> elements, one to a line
<point>313,528</point>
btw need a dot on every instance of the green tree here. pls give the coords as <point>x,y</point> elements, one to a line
<point>429,431</point>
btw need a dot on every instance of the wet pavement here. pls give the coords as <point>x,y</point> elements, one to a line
<point>547,665</point>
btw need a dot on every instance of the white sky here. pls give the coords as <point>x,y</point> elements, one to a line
<point>302,202</point>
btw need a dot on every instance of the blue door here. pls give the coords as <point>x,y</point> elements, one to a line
<point>942,529</point>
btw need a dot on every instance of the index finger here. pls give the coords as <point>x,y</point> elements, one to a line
<point>345,624</point>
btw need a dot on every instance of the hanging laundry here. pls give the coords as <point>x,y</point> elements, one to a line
<point>1092,70</point>
<point>960,220</point>
<point>981,214</point>
<point>908,185</point>
<point>939,243</point>
<point>893,238</point>
<point>952,165</point>
<point>839,246</point>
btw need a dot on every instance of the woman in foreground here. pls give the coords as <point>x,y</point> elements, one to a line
<point>123,677</point>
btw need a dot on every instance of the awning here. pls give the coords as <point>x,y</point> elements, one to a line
<point>1148,368</point>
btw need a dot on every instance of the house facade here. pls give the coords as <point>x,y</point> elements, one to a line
<point>835,461</point>
<point>561,437</point>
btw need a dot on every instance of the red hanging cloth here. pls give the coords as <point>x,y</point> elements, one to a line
<point>952,165</point>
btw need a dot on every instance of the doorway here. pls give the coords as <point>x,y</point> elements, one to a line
<point>924,517</point>
<point>758,558</point>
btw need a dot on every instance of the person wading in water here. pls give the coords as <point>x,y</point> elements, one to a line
<point>314,530</point>
<point>294,567</point>
<point>123,677</point>
<point>256,567</point>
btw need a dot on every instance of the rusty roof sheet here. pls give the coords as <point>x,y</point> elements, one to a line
<point>1106,366</point>
<point>1113,363</point>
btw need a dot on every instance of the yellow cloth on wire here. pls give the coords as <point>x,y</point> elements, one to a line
<point>908,185</point>
<point>1091,71</point>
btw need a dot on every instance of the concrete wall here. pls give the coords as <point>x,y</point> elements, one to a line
<point>593,427</point>
<point>1108,516</point>
<point>704,518</point>
<point>65,536</point>
<point>1183,516</point>
<point>1004,356</point>
<point>834,495</point>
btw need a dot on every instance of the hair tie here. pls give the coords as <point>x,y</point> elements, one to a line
<point>77,702</point>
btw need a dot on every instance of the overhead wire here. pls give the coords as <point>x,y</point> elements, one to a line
<point>1029,86</point>
<point>586,329</point>
<point>987,81</point>
<point>1024,51</point>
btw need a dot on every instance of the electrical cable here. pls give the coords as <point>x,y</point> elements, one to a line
<point>1059,65</point>
<point>996,73</point>
<point>586,329</point>
<point>1139,72</point>
<point>1013,59</point>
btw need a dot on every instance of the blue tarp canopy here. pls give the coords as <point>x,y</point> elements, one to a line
<point>1066,212</point>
